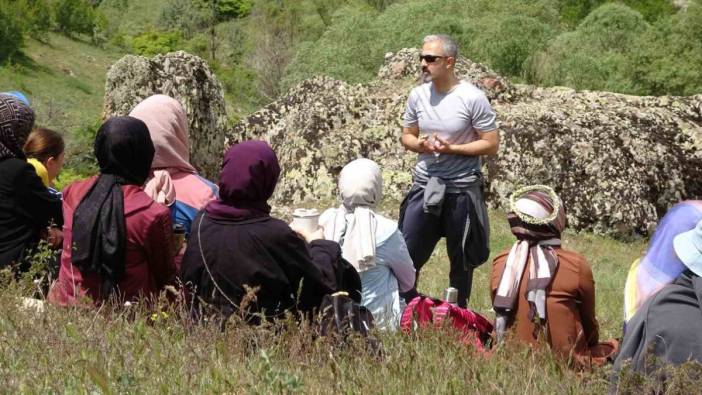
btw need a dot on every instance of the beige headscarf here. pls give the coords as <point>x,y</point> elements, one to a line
<point>168,127</point>
<point>354,223</point>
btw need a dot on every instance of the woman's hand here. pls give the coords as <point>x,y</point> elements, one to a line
<point>308,236</point>
<point>55,238</point>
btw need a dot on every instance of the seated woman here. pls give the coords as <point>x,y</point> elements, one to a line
<point>370,242</point>
<point>117,240</point>
<point>173,180</point>
<point>663,295</point>
<point>26,206</point>
<point>241,260</point>
<point>542,290</point>
<point>45,152</point>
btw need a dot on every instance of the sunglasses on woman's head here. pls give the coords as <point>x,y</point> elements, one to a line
<point>430,58</point>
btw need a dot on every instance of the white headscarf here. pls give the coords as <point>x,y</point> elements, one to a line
<point>354,223</point>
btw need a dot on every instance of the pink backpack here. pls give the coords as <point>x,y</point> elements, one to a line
<point>472,327</point>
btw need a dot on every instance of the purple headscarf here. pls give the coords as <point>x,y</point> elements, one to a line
<point>660,265</point>
<point>249,174</point>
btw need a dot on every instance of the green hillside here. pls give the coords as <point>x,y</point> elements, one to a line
<point>65,79</point>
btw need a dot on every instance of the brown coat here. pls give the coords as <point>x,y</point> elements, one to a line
<point>570,308</point>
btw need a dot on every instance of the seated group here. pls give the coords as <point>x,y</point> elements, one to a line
<point>115,232</point>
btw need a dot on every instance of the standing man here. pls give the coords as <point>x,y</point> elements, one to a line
<point>450,124</point>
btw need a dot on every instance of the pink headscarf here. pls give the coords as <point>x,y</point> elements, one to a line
<point>168,127</point>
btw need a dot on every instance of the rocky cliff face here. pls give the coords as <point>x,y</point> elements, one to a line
<point>617,161</point>
<point>188,79</point>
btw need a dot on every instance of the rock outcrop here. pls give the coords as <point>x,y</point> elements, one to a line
<point>619,162</point>
<point>188,79</point>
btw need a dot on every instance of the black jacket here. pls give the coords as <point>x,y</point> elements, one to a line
<point>26,209</point>
<point>262,253</point>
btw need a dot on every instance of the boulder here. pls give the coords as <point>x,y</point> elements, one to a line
<point>619,162</point>
<point>184,77</point>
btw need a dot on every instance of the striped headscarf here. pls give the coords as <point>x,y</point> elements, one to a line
<point>537,220</point>
<point>660,265</point>
<point>16,121</point>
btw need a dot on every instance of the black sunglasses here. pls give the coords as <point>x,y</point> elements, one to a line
<point>430,58</point>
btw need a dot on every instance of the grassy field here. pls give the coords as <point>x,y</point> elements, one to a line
<point>137,351</point>
<point>64,78</point>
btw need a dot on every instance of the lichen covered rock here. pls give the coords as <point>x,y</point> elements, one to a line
<point>619,162</point>
<point>188,79</point>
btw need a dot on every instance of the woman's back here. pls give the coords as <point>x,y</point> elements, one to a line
<point>570,304</point>
<point>263,254</point>
<point>26,208</point>
<point>393,272</point>
<point>148,264</point>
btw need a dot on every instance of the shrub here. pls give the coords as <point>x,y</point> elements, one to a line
<point>668,57</point>
<point>37,18</point>
<point>74,16</point>
<point>11,30</point>
<point>497,32</point>
<point>154,43</point>
<point>515,39</point>
<point>228,9</point>
<point>595,55</point>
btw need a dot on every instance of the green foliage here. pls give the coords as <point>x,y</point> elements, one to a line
<point>154,43</point>
<point>501,33</point>
<point>380,5</point>
<point>74,16</point>
<point>182,16</point>
<point>516,38</point>
<point>11,30</point>
<point>572,12</point>
<point>37,18</point>
<point>668,57</point>
<point>228,9</point>
<point>595,55</point>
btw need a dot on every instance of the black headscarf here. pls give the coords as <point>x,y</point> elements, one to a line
<point>124,151</point>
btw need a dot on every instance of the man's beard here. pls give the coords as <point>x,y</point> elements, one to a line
<point>425,76</point>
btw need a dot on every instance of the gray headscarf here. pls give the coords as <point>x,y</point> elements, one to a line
<point>16,121</point>
<point>354,223</point>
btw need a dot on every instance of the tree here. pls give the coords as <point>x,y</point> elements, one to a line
<point>11,30</point>
<point>74,16</point>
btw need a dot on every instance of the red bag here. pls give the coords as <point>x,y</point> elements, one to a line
<point>472,327</point>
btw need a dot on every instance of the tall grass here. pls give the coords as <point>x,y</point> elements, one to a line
<point>157,349</point>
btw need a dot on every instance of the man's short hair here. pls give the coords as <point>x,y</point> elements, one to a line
<point>449,45</point>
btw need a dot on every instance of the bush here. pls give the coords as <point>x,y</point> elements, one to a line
<point>572,12</point>
<point>154,43</point>
<point>668,57</point>
<point>37,18</point>
<point>501,33</point>
<point>515,39</point>
<point>74,16</point>
<point>228,9</point>
<point>11,30</point>
<point>595,55</point>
